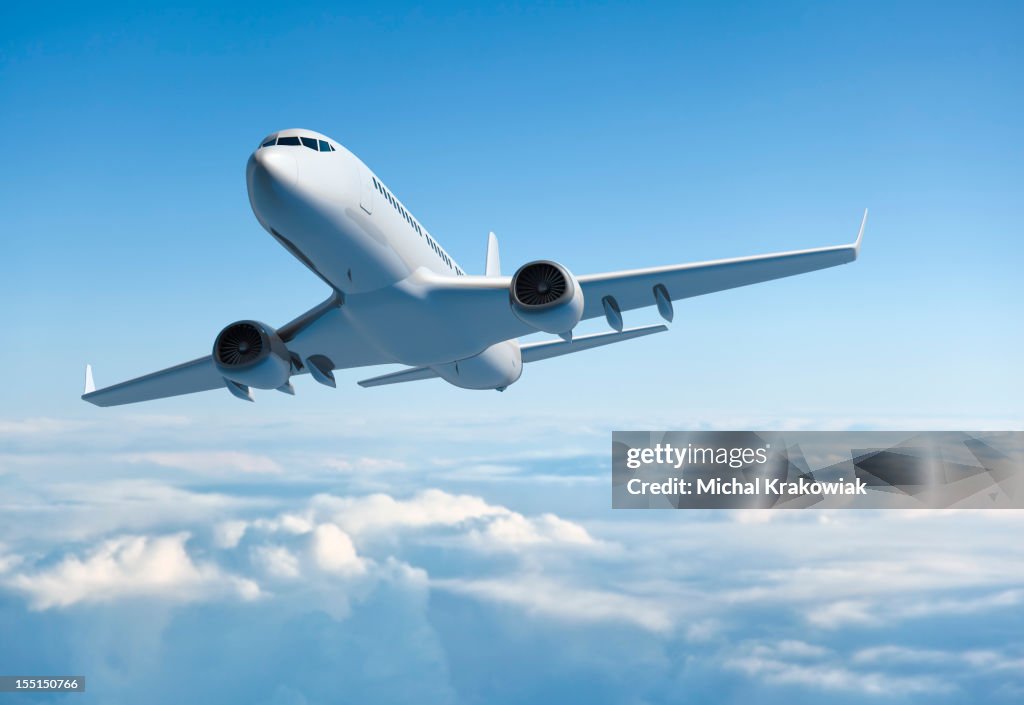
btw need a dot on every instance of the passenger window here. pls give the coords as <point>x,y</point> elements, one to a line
<point>291,141</point>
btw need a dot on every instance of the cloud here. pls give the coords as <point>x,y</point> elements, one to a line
<point>487,569</point>
<point>8,561</point>
<point>288,523</point>
<point>207,461</point>
<point>792,648</point>
<point>485,526</point>
<point>808,666</point>
<point>365,464</point>
<point>876,613</point>
<point>543,597</point>
<point>334,552</point>
<point>50,427</point>
<point>515,531</point>
<point>975,659</point>
<point>129,566</point>
<point>228,534</point>
<point>53,512</point>
<point>381,512</point>
<point>277,561</point>
<point>832,615</point>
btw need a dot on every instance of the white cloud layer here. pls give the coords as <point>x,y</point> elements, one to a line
<point>545,598</point>
<point>130,566</point>
<point>208,462</point>
<point>780,664</point>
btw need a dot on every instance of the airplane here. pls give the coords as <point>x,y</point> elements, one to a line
<point>397,296</point>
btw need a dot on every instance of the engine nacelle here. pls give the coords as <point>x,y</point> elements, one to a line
<point>546,296</point>
<point>253,354</point>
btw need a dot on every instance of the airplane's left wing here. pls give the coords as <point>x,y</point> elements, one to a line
<point>310,337</point>
<point>199,375</point>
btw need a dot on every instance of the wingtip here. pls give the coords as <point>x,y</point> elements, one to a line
<point>860,233</point>
<point>492,266</point>
<point>90,385</point>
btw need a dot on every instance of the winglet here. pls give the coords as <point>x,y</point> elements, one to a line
<point>493,266</point>
<point>90,385</point>
<point>860,234</point>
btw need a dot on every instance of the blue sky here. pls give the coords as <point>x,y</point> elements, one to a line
<point>603,136</point>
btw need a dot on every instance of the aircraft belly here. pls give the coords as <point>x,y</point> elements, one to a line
<point>405,325</point>
<point>495,368</point>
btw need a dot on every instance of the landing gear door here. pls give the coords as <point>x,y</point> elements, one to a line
<point>366,189</point>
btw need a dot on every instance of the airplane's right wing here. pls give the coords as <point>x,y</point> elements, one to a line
<point>660,285</point>
<point>483,301</point>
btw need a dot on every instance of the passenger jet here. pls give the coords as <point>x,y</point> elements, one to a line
<point>397,296</point>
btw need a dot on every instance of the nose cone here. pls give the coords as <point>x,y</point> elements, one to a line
<point>276,165</point>
<point>272,176</point>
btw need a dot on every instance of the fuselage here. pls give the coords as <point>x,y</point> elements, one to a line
<point>335,215</point>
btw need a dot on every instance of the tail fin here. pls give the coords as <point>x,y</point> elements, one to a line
<point>493,266</point>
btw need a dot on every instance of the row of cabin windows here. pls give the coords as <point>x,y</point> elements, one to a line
<point>416,226</point>
<point>313,143</point>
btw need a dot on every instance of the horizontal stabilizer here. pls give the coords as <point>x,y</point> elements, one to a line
<point>532,352</point>
<point>410,375</point>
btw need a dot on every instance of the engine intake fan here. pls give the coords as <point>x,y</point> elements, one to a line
<point>252,353</point>
<point>546,296</point>
<point>239,344</point>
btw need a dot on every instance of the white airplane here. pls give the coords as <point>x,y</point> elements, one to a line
<point>399,297</point>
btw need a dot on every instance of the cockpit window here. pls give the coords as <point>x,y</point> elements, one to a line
<point>311,142</point>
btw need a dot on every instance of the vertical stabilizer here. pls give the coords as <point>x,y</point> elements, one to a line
<point>493,266</point>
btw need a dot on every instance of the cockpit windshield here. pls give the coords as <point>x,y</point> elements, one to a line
<point>316,145</point>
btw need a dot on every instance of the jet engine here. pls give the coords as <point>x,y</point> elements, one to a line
<point>546,296</point>
<point>253,354</point>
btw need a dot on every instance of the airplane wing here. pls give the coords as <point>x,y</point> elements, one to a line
<point>483,301</point>
<point>309,335</point>
<point>199,375</point>
<point>656,285</point>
